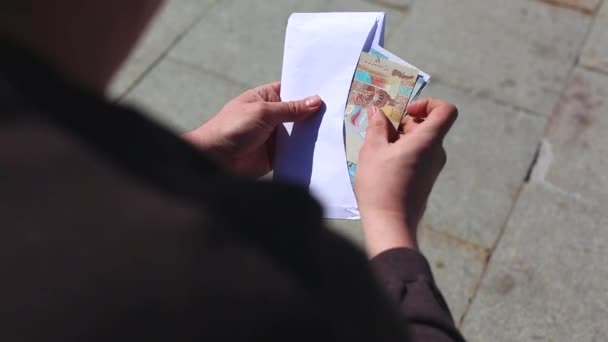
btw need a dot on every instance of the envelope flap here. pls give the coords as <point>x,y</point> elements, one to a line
<point>321,54</point>
<point>323,41</point>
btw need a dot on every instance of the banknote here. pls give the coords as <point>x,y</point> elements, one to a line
<point>423,77</point>
<point>381,82</point>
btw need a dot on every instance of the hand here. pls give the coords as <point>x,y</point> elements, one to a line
<point>242,135</point>
<point>396,172</point>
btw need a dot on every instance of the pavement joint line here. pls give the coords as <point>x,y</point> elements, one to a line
<point>550,119</point>
<point>483,251</point>
<point>211,72</point>
<point>557,3</point>
<point>138,79</point>
<point>581,48</point>
<point>491,253</point>
<point>533,163</point>
<point>593,69</point>
<point>165,52</point>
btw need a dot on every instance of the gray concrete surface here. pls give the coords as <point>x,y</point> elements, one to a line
<point>547,279</point>
<point>516,229</point>
<point>489,152</point>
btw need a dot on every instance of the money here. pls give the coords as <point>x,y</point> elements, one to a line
<point>383,83</point>
<point>383,80</point>
<point>423,78</point>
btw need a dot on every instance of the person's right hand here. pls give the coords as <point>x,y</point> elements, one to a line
<point>396,172</point>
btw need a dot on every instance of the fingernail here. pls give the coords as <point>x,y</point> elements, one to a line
<point>313,101</point>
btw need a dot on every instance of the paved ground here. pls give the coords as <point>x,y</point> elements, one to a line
<point>517,228</point>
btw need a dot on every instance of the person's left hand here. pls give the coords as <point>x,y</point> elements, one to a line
<point>242,135</point>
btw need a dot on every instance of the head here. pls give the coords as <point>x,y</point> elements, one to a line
<point>87,40</point>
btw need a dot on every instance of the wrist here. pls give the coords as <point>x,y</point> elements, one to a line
<point>385,230</point>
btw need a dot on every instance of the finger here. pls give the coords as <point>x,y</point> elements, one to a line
<point>439,115</point>
<point>289,111</point>
<point>276,86</point>
<point>409,123</point>
<point>269,92</point>
<point>422,108</point>
<point>379,129</point>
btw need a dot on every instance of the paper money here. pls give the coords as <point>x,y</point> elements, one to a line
<point>383,83</point>
<point>383,80</point>
<point>423,78</point>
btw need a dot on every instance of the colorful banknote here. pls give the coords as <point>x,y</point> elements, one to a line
<point>423,78</point>
<point>381,82</point>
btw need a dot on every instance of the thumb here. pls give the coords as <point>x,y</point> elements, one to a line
<point>289,111</point>
<point>379,128</point>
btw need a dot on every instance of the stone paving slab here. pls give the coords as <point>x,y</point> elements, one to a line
<point>595,53</point>
<point>181,96</point>
<point>490,149</point>
<point>547,278</point>
<point>576,151</point>
<point>516,51</point>
<point>173,20</point>
<point>242,39</point>
<point>457,265</point>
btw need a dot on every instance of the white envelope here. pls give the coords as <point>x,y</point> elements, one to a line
<point>321,54</point>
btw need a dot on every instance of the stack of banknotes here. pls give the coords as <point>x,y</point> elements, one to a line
<point>382,80</point>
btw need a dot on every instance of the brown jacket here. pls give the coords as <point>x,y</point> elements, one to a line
<point>114,229</point>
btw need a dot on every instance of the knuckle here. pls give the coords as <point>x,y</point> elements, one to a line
<point>438,102</point>
<point>378,123</point>
<point>251,93</point>
<point>449,107</point>
<point>260,107</point>
<point>292,106</point>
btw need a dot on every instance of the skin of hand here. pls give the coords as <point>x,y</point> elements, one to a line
<point>241,137</point>
<point>397,170</point>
